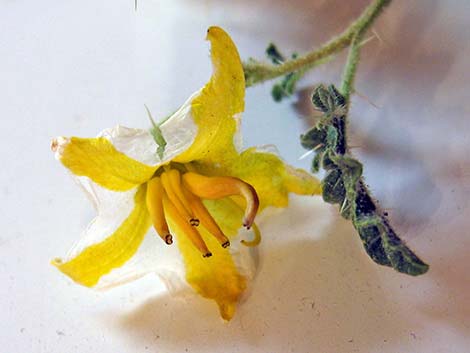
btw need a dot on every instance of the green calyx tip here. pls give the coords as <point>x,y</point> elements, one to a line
<point>157,134</point>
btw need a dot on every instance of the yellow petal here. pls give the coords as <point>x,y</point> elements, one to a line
<point>216,277</point>
<point>99,160</point>
<point>268,174</point>
<point>213,110</point>
<point>99,259</point>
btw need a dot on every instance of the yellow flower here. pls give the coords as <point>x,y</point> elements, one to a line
<point>200,191</point>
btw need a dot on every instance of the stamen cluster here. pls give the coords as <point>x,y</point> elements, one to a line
<point>178,195</point>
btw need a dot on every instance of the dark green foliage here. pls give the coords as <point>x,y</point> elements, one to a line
<point>370,236</point>
<point>274,54</point>
<point>328,100</point>
<point>316,163</point>
<point>344,185</point>
<point>277,92</point>
<point>333,187</point>
<point>313,138</point>
<point>286,87</point>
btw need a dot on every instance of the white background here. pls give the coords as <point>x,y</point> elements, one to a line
<point>76,67</point>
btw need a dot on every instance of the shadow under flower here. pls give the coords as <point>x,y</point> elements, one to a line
<point>316,290</point>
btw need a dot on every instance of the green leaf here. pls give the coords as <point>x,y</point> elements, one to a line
<point>343,184</point>
<point>314,138</point>
<point>401,257</point>
<point>331,136</point>
<point>351,168</point>
<point>277,92</point>
<point>318,99</point>
<point>316,162</point>
<point>338,98</point>
<point>286,87</point>
<point>333,187</point>
<point>274,54</point>
<point>371,238</point>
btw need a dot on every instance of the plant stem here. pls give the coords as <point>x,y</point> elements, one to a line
<point>349,72</point>
<point>350,68</point>
<point>256,72</point>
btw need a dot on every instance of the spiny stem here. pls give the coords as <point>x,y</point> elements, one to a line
<point>256,72</point>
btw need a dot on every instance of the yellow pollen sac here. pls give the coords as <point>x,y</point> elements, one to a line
<point>154,201</point>
<point>206,219</point>
<point>171,181</point>
<point>187,229</point>
<point>218,187</point>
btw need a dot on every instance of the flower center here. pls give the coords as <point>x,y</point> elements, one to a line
<point>179,196</point>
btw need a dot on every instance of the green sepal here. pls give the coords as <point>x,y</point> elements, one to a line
<point>157,135</point>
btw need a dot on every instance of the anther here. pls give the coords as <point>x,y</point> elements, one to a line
<point>206,219</point>
<point>171,181</point>
<point>154,201</point>
<point>169,239</point>
<point>54,145</point>
<point>207,254</point>
<point>219,187</point>
<point>194,222</point>
<point>190,232</point>
<point>226,244</point>
<point>58,143</point>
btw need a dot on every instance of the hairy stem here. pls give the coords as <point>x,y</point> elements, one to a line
<point>350,68</point>
<point>257,72</point>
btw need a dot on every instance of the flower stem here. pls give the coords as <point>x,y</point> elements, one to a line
<point>350,68</point>
<point>256,72</point>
